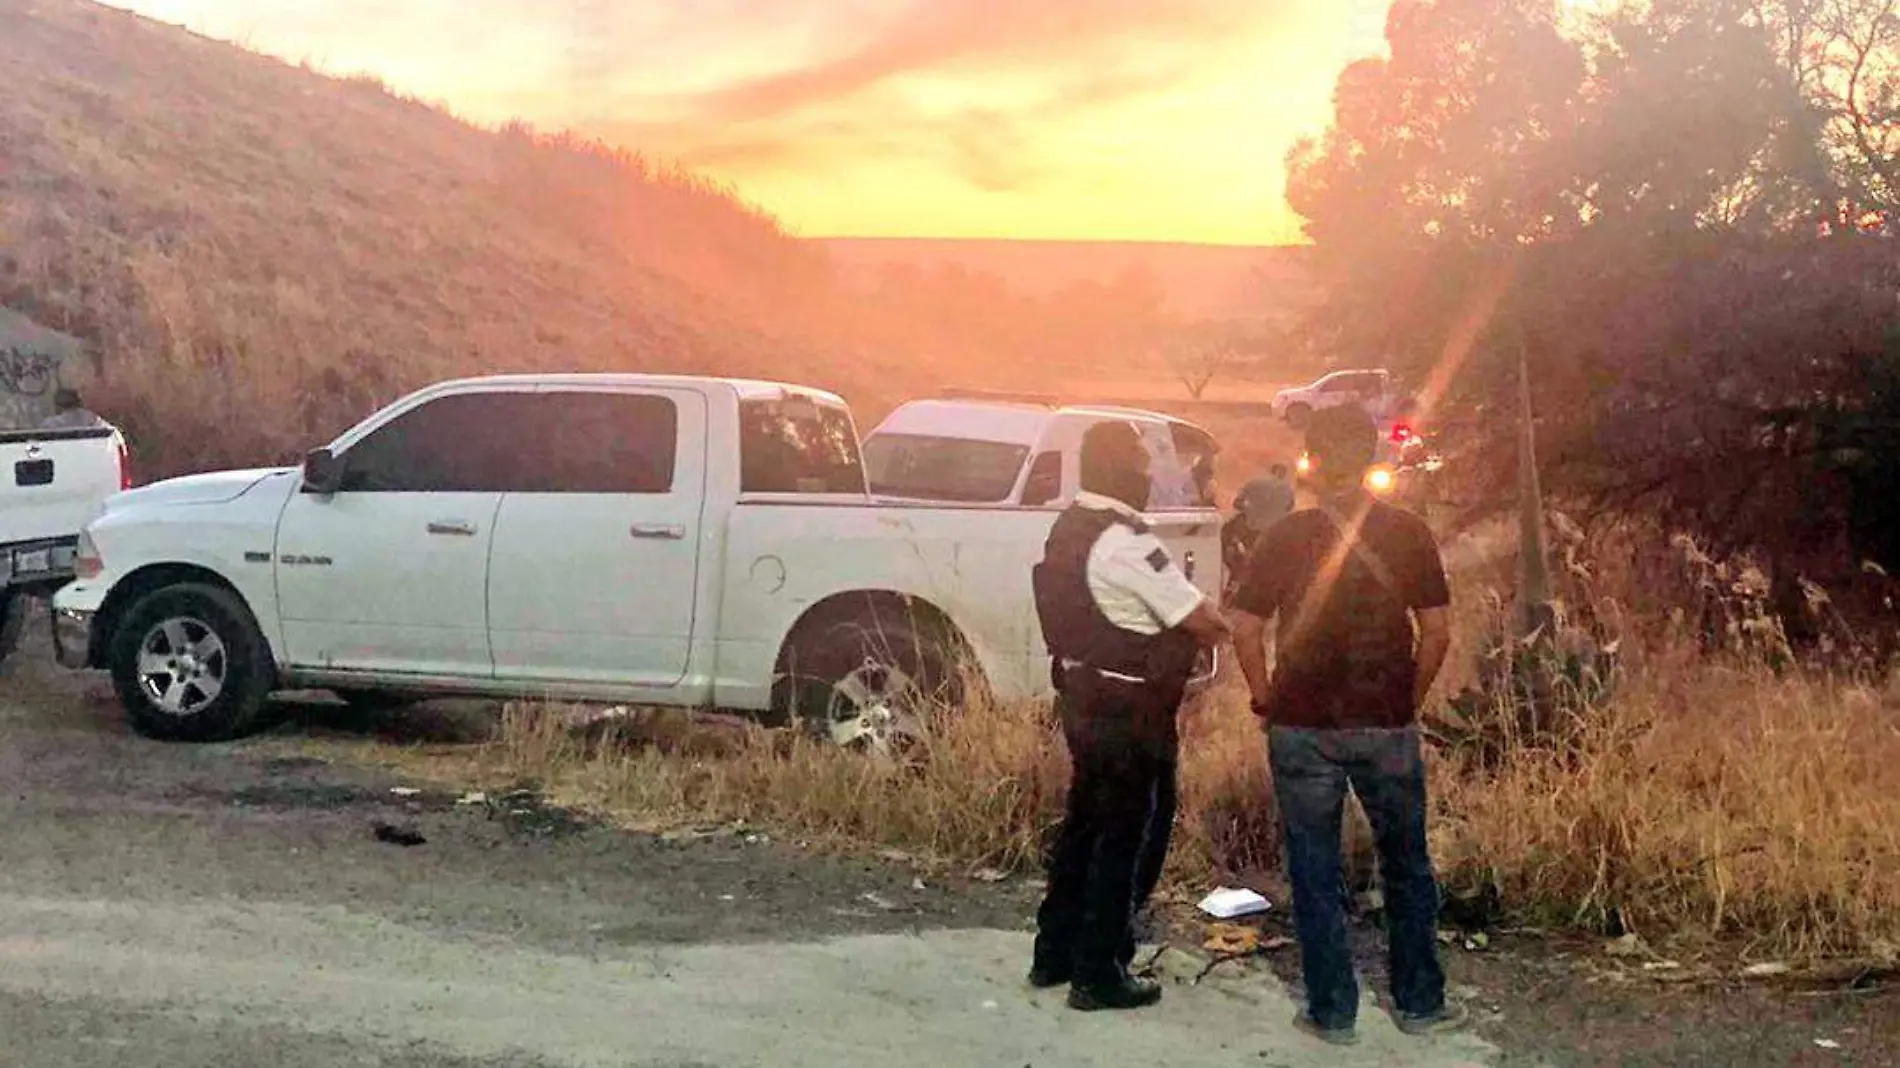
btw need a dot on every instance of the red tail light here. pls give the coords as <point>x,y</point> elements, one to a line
<point>1401,433</point>
<point>125,468</point>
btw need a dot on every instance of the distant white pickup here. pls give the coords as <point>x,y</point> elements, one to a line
<point>51,483</point>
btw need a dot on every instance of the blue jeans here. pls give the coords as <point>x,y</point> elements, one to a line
<point>1312,770</point>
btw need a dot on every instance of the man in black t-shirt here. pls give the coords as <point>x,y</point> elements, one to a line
<point>1362,605</point>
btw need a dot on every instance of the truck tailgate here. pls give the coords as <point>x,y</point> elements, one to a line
<point>52,481</point>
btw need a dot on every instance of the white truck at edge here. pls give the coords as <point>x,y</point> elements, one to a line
<point>51,482</point>
<point>633,538</point>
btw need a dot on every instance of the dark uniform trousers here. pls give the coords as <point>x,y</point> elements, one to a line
<point>1123,746</point>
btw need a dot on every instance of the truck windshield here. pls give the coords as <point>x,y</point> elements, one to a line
<point>797,445</point>
<point>942,469</point>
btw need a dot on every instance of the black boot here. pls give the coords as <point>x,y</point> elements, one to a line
<point>1044,976</point>
<point>1126,993</point>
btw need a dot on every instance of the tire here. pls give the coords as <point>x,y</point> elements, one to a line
<point>873,682</point>
<point>1298,414</point>
<point>190,665</point>
<point>13,605</point>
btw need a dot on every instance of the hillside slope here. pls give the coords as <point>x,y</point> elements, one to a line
<point>260,254</point>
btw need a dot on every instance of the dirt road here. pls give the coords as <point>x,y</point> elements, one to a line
<point>221,905</point>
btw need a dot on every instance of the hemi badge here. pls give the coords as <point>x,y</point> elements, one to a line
<point>257,558</point>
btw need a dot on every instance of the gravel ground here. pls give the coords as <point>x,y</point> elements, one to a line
<point>234,905</point>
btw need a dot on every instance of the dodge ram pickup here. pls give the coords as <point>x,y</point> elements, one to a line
<point>646,539</point>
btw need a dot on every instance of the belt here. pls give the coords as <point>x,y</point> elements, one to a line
<point>1069,665</point>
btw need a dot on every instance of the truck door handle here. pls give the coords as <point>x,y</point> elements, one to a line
<point>459,527</point>
<point>666,531</point>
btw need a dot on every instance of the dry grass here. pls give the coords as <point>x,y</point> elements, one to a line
<point>1713,804</point>
<point>1710,802</point>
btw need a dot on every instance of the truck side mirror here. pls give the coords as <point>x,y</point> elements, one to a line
<point>322,472</point>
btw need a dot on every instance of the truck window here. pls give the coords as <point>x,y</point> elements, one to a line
<point>1196,452</point>
<point>597,442</point>
<point>1044,483</point>
<point>943,469</point>
<point>796,445</point>
<point>461,443</point>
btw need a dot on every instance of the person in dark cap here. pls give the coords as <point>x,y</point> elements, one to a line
<point>1262,502</point>
<point>69,412</point>
<point>1124,627</point>
<point>1360,594</point>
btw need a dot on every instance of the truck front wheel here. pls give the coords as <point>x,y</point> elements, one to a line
<point>190,664</point>
<point>873,683</point>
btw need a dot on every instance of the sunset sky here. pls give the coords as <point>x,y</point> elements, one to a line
<point>1123,119</point>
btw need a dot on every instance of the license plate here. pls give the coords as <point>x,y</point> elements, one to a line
<point>32,561</point>
<point>33,473</point>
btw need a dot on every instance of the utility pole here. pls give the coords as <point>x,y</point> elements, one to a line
<point>1533,609</point>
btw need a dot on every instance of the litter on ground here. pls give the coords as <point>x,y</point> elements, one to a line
<point>1226,903</point>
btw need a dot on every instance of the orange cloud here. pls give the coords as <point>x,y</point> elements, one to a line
<point>932,34</point>
<point>1110,118</point>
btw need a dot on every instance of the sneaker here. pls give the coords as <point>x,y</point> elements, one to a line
<point>1337,1036</point>
<point>1449,1018</point>
<point>1127,994</point>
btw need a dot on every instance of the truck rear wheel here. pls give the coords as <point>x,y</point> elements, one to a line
<point>873,682</point>
<point>12,620</point>
<point>190,665</point>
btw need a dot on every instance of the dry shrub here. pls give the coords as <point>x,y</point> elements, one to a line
<point>986,792</point>
<point>1713,799</point>
<point>1722,791</point>
<point>1709,801</point>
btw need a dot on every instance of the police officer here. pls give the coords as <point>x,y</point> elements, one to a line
<point>1124,627</point>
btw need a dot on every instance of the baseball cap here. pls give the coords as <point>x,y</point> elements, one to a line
<point>1264,500</point>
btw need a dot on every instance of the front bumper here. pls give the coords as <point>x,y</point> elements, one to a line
<point>72,638</point>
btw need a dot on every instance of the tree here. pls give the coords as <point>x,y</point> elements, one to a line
<point>1200,352</point>
<point>1439,158</point>
<point>1668,209</point>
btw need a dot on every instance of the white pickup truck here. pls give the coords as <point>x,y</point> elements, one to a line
<point>632,538</point>
<point>51,482</point>
<point>1374,390</point>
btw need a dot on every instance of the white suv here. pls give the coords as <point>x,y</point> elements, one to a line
<point>1011,449</point>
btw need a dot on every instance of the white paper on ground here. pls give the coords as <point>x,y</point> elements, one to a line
<point>1225,903</point>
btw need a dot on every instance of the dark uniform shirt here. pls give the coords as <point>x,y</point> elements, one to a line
<point>1345,653</point>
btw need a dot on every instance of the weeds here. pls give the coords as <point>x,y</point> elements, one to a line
<point>1711,799</point>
